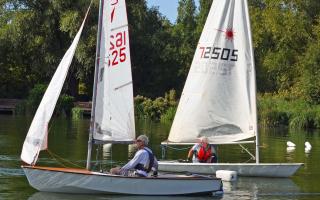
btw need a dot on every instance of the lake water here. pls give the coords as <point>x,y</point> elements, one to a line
<point>68,140</point>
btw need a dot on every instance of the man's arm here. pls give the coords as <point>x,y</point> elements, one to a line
<point>132,163</point>
<point>155,163</point>
<point>191,151</point>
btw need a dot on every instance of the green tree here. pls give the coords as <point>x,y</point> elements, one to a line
<point>280,32</point>
<point>309,63</point>
<point>152,50</point>
<point>36,34</point>
<point>184,33</point>
<point>204,8</point>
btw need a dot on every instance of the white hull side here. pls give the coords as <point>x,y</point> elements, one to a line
<point>66,181</point>
<point>243,169</point>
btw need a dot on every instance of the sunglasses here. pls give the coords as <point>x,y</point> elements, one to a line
<point>138,140</point>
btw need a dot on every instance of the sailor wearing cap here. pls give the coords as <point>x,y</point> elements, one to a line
<point>142,162</point>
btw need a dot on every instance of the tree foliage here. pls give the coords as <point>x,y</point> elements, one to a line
<point>34,35</point>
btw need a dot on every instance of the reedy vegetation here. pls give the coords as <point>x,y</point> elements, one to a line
<point>286,35</point>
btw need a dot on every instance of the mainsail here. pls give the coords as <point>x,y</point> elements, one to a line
<point>36,139</point>
<point>113,106</point>
<point>218,99</point>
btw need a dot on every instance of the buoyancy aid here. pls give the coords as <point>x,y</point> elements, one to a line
<point>203,154</point>
<point>140,166</point>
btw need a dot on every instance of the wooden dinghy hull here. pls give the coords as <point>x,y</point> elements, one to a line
<point>67,180</point>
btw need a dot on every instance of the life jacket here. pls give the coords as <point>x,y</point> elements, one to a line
<point>151,162</point>
<point>203,154</point>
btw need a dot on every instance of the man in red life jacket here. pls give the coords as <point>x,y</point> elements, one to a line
<point>202,152</point>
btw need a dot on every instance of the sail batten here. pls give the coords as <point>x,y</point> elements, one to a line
<point>218,99</point>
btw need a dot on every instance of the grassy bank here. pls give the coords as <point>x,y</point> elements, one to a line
<point>275,110</point>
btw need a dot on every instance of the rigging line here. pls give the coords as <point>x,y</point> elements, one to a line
<point>97,161</point>
<point>55,156</point>
<point>99,156</point>
<point>246,150</point>
<point>111,157</point>
<point>178,149</point>
<point>248,160</point>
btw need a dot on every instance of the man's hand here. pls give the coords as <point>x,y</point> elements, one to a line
<point>155,174</point>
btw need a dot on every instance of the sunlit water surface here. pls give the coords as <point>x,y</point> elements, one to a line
<point>68,141</point>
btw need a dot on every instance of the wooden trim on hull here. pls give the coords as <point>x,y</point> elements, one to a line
<point>71,170</point>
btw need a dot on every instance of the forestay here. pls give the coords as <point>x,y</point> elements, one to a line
<point>114,111</point>
<point>36,139</point>
<point>218,99</point>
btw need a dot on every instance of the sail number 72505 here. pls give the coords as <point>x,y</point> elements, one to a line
<point>219,53</point>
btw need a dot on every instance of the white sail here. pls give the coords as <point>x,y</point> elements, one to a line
<point>36,139</point>
<point>218,99</point>
<point>114,111</point>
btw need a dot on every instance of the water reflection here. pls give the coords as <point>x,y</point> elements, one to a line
<point>243,188</point>
<point>54,196</point>
<point>307,150</point>
<point>10,172</point>
<point>252,188</point>
<point>290,149</point>
<point>69,140</point>
<point>106,151</point>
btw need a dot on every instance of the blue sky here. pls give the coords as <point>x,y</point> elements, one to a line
<point>167,7</point>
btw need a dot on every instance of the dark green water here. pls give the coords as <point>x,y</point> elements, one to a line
<point>68,139</point>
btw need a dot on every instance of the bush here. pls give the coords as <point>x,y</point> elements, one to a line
<point>21,108</point>
<point>35,96</point>
<point>138,108</point>
<point>168,116</point>
<point>279,109</point>
<point>77,113</point>
<point>65,104</point>
<point>147,108</point>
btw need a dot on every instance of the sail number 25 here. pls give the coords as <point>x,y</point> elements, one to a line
<point>219,53</point>
<point>117,48</point>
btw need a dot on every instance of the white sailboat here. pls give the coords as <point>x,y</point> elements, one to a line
<point>112,121</point>
<point>219,97</point>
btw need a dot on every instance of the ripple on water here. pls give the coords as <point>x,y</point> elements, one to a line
<point>9,158</point>
<point>4,172</point>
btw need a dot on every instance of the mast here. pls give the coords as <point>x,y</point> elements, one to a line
<point>254,84</point>
<point>96,71</point>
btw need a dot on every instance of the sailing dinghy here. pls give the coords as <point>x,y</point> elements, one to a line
<point>112,121</point>
<point>219,97</point>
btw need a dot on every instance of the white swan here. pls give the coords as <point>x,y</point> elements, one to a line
<point>307,145</point>
<point>307,150</point>
<point>291,144</point>
<point>290,149</point>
